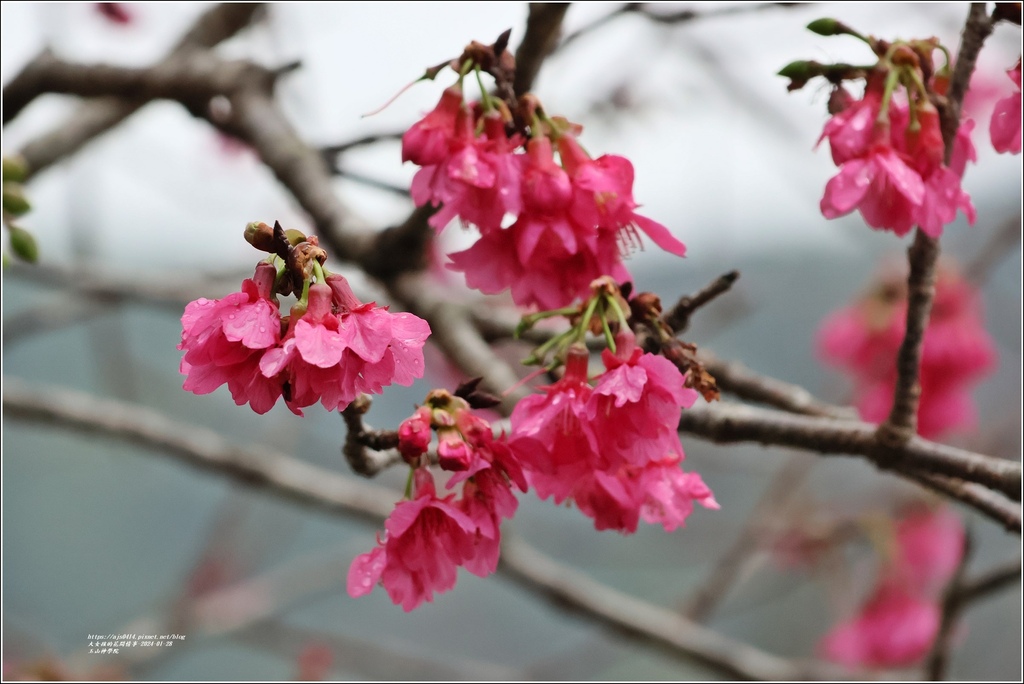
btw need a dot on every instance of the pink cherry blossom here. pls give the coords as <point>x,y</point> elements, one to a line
<point>603,197</point>
<point>428,140</point>
<point>1005,128</point>
<point>850,131</point>
<point>225,340</point>
<point>332,357</point>
<point>426,540</point>
<point>881,185</point>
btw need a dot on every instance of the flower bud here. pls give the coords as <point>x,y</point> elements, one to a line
<point>452,451</point>
<point>24,244</point>
<point>414,435</point>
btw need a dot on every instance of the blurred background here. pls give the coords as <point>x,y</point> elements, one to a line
<point>101,537</point>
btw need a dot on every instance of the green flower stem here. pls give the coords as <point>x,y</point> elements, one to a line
<point>891,80</point>
<point>485,97</point>
<point>318,271</point>
<point>408,483</point>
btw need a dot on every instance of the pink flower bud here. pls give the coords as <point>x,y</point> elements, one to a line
<point>452,452</point>
<point>414,435</point>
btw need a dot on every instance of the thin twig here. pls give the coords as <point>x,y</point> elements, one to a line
<point>992,504</point>
<point>367,451</point>
<point>735,378</point>
<point>678,317</point>
<point>991,581</point>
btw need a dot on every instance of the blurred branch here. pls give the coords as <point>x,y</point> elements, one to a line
<point>938,659</point>
<point>735,378</point>
<point>573,590</point>
<point>678,17</point>
<point>320,489</point>
<point>543,28</point>
<point>723,574</point>
<point>254,466</point>
<point>724,422</point>
<point>989,582</point>
<point>94,118</point>
<point>992,504</point>
<point>999,245</point>
<point>922,255</point>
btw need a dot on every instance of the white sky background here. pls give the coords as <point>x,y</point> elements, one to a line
<point>723,155</point>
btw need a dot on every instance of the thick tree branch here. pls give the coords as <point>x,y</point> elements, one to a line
<point>543,29</point>
<point>722,422</point>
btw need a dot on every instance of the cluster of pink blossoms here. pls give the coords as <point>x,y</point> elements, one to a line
<point>612,447</point>
<point>864,340</point>
<point>572,219</point>
<point>330,348</point>
<point>1005,128</point>
<point>891,164</point>
<point>900,619</point>
<point>428,537</point>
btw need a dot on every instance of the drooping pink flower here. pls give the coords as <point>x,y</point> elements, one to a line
<point>1005,128</point>
<point>893,629</point>
<point>613,448</point>
<point>225,340</point>
<point>426,540</point>
<point>864,339</point>
<point>552,434</point>
<point>603,197</point>
<point>881,185</point>
<point>476,181</point>
<point>892,165</point>
<point>428,140</point>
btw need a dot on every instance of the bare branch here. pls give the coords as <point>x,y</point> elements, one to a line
<point>723,422</point>
<point>735,378</point>
<point>543,28</point>
<point>678,318</point>
<point>93,118</point>
<point>992,504</point>
<point>938,659</point>
<point>991,581</point>
<point>367,451</point>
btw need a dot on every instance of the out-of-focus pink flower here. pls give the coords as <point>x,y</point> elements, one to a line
<point>929,546</point>
<point>863,340</point>
<point>224,341</point>
<point>1005,128</point>
<point>893,629</point>
<point>428,140</point>
<point>898,623</point>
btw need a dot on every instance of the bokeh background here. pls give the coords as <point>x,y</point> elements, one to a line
<point>99,536</point>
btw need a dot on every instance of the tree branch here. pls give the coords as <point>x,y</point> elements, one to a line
<point>93,118</point>
<point>543,28</point>
<point>723,422</point>
<point>922,255</point>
